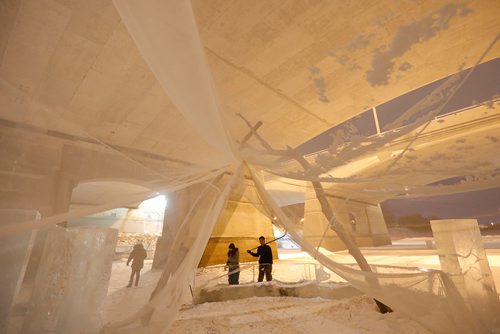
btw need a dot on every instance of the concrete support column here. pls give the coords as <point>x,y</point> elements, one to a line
<point>363,220</point>
<point>176,210</point>
<point>316,228</point>
<point>61,198</point>
<point>371,229</point>
<point>462,256</point>
<point>242,222</point>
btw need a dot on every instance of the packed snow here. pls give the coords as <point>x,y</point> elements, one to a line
<point>356,314</point>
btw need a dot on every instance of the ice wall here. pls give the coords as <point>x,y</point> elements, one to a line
<point>72,281</point>
<point>463,258</point>
<point>14,256</point>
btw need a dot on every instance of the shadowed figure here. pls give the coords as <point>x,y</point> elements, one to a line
<point>233,263</point>
<point>137,257</point>
<point>265,255</point>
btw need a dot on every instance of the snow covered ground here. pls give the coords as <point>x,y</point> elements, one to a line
<point>281,314</point>
<point>292,315</point>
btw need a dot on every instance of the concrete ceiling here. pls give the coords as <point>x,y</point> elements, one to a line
<point>302,67</point>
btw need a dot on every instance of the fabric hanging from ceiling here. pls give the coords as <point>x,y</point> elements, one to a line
<point>171,95</point>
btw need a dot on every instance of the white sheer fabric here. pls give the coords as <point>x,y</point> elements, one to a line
<point>407,290</point>
<point>206,202</point>
<point>159,28</point>
<point>162,98</point>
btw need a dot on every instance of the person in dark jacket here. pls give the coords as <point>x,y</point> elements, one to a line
<point>265,255</point>
<point>137,257</point>
<point>233,263</point>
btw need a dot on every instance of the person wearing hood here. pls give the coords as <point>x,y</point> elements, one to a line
<point>137,257</point>
<point>233,263</point>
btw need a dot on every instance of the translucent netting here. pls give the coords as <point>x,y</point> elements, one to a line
<point>105,104</point>
<point>407,290</point>
<point>205,203</point>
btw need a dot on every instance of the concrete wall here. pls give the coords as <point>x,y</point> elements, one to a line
<point>364,221</point>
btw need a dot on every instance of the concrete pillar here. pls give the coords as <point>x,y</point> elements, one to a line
<point>62,191</point>
<point>242,222</point>
<point>371,228</point>
<point>462,256</point>
<point>177,208</point>
<point>72,281</point>
<point>363,220</point>
<point>316,228</point>
<point>14,256</point>
<point>175,212</point>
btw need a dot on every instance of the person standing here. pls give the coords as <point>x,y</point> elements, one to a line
<point>233,264</point>
<point>137,257</point>
<point>265,255</point>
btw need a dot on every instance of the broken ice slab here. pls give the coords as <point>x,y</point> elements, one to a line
<point>72,281</point>
<point>463,258</point>
<point>14,256</point>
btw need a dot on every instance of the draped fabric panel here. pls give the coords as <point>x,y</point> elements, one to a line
<point>104,104</point>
